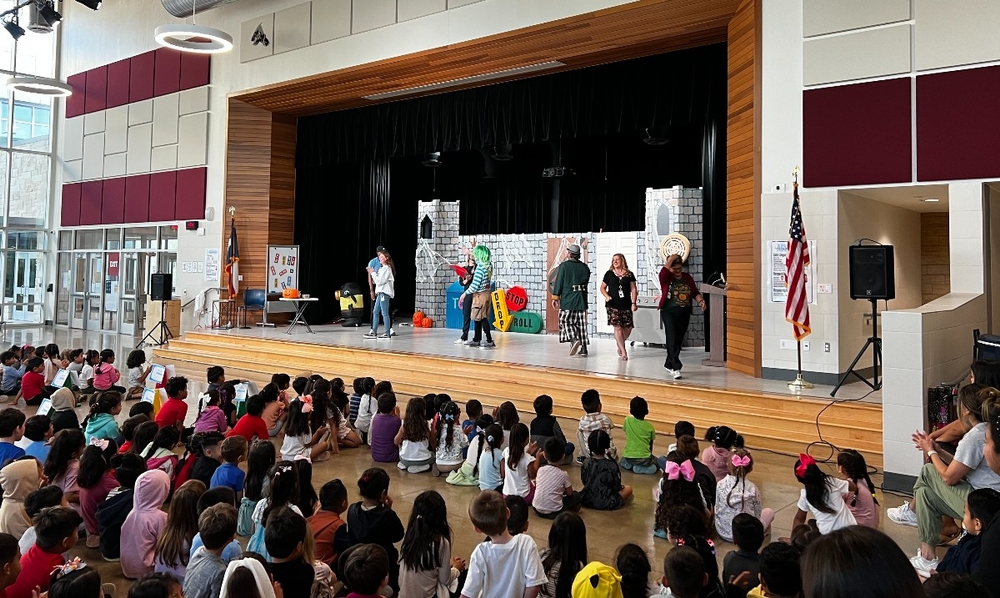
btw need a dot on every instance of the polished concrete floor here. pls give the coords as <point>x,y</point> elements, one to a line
<point>606,530</point>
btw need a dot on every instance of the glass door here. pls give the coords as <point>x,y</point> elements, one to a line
<point>95,290</point>
<point>131,295</point>
<point>63,288</point>
<point>27,287</point>
<point>78,298</point>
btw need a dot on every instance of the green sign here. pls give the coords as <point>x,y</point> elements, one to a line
<point>526,322</point>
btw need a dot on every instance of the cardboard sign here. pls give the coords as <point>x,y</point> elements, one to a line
<point>44,407</point>
<point>500,312</point>
<point>157,372</point>
<point>59,380</point>
<point>148,395</point>
<point>526,322</point>
<point>517,299</point>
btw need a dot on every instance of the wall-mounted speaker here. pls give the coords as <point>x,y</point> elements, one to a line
<point>872,272</point>
<point>161,287</point>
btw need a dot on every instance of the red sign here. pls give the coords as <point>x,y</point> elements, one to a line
<point>113,259</point>
<point>517,299</point>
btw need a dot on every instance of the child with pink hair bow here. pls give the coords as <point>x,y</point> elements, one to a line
<point>736,494</point>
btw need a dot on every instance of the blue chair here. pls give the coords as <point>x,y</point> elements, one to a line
<point>256,300</point>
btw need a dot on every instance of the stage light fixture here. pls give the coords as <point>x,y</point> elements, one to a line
<point>656,136</point>
<point>503,153</point>
<point>13,29</point>
<point>91,4</point>
<point>47,10</point>
<point>433,160</point>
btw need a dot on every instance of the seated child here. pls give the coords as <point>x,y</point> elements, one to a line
<point>211,418</point>
<point>368,406</point>
<point>639,436</point>
<point>111,513</point>
<point>954,585</point>
<point>366,571</point>
<point>592,420</point>
<point>144,525</point>
<point>553,490</point>
<point>210,459</point>
<point>451,440</point>
<point>716,457</point>
<point>221,495</point>
<point>328,528</point>
<point>863,505</point>
<point>681,428</point>
<point>18,479</point>
<point>384,427</point>
<point>473,411</point>
<point>156,585</point>
<point>251,425</point>
<point>736,494</point>
<point>602,480</point>
<point>13,370</point>
<point>748,535</point>
<point>101,423</point>
<point>10,561</point>
<point>33,389</point>
<point>517,514</point>
<point>38,431</point>
<point>980,508</point>
<point>684,572</point>
<point>43,498</point>
<point>414,439</point>
<point>373,520</point>
<point>546,426</point>
<point>679,488</point>
<point>11,430</point>
<point>174,410</point>
<point>217,528</point>
<point>779,575</point>
<point>285,538</point>
<point>127,433</point>
<point>75,578</point>
<point>56,532</point>
<point>159,454</point>
<point>234,451</point>
<point>632,564</point>
<point>468,473</point>
<point>514,567</point>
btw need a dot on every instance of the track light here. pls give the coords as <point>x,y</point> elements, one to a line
<point>13,29</point>
<point>91,4</point>
<point>502,153</point>
<point>47,10</point>
<point>433,160</point>
<point>656,136</point>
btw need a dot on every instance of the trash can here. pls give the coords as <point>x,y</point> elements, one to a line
<point>452,312</point>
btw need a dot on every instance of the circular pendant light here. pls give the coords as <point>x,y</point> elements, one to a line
<point>194,38</point>
<point>39,86</point>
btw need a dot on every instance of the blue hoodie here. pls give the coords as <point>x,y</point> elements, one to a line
<point>102,427</point>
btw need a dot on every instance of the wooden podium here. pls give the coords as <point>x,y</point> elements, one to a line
<point>716,325</point>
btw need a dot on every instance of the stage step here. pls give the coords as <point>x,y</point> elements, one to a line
<point>783,423</point>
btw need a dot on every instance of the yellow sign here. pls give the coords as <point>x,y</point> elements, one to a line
<point>500,311</point>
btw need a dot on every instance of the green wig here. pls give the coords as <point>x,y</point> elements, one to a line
<point>481,254</point>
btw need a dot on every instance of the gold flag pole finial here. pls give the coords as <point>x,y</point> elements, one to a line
<point>232,211</point>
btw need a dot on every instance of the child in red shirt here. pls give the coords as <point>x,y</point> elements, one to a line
<point>174,410</point>
<point>55,533</point>
<point>10,562</point>
<point>33,382</point>
<point>252,424</point>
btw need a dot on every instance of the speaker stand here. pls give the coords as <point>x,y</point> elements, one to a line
<point>160,334</point>
<point>876,343</point>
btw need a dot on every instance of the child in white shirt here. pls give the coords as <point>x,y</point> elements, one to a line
<point>506,565</point>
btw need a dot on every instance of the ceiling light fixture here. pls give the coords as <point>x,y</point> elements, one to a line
<point>193,38</point>
<point>39,86</point>
<point>13,29</point>
<point>929,199</point>
<point>91,4</point>
<point>47,10</point>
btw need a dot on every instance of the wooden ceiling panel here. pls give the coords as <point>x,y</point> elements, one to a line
<point>629,31</point>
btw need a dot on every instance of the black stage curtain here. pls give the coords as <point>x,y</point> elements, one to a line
<point>359,172</point>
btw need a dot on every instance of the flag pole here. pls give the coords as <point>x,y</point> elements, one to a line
<point>799,383</point>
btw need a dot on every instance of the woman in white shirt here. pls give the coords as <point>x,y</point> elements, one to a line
<point>385,280</point>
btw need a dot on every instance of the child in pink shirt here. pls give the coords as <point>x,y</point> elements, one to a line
<point>717,457</point>
<point>144,524</point>
<point>105,374</point>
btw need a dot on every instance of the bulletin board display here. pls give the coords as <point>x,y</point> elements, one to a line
<point>282,267</point>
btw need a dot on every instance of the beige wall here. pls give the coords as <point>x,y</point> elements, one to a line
<point>859,217</point>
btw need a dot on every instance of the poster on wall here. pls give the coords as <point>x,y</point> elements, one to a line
<point>777,252</point>
<point>282,267</point>
<point>212,264</point>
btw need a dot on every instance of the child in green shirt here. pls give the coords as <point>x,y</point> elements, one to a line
<point>639,435</point>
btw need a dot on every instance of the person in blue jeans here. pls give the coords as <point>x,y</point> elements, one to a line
<point>384,279</point>
<point>375,265</point>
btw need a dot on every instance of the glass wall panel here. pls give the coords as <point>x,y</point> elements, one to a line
<point>32,122</point>
<point>66,239</point>
<point>29,189</point>
<point>168,238</point>
<point>89,239</point>
<point>140,237</point>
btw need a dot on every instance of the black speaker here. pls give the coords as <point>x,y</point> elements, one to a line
<point>872,272</point>
<point>161,287</point>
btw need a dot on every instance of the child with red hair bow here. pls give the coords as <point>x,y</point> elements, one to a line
<point>823,497</point>
<point>736,494</point>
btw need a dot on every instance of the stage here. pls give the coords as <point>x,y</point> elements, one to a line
<point>523,366</point>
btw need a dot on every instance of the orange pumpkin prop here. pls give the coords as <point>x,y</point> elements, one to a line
<point>418,317</point>
<point>426,323</point>
<point>290,293</point>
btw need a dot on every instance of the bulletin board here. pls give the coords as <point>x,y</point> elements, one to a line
<point>282,267</point>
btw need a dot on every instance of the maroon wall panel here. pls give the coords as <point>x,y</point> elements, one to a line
<point>113,209</point>
<point>118,84</point>
<point>137,198</point>
<point>958,125</point>
<point>191,194</point>
<point>195,70</point>
<point>76,103</point>
<point>71,204</point>
<point>857,134</point>
<point>90,202</point>
<point>141,70</point>
<point>162,195</point>
<point>97,89</point>
<point>167,78</point>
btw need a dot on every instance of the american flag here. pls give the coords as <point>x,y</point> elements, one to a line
<point>796,303</point>
<point>233,260</point>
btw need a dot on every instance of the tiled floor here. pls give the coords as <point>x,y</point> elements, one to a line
<point>606,530</point>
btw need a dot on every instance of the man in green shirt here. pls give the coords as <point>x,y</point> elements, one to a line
<point>569,296</point>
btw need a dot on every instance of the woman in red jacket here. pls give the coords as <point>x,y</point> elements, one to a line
<point>679,294</point>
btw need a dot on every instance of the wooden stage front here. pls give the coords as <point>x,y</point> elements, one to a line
<point>418,361</point>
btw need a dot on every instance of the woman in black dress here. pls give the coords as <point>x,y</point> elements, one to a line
<point>620,296</point>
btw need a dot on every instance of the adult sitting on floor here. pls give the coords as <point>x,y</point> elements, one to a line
<point>982,372</point>
<point>942,486</point>
<point>986,571</point>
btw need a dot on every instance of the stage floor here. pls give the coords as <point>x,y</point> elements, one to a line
<point>544,350</point>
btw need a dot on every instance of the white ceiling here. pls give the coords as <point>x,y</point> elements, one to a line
<point>907,197</point>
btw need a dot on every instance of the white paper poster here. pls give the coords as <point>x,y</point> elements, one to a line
<point>777,252</point>
<point>212,264</point>
<point>282,267</point>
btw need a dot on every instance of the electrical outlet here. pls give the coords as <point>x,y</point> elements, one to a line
<point>805,345</point>
<point>779,188</point>
<point>826,347</point>
<point>787,344</point>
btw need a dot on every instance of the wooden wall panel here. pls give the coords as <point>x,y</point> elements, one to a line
<point>743,191</point>
<point>260,184</point>
<point>935,256</point>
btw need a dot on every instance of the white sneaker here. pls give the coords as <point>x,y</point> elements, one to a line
<point>471,343</point>
<point>670,372</point>
<point>392,332</point>
<point>923,566</point>
<point>488,345</point>
<point>370,334</point>
<point>460,341</point>
<point>903,515</point>
<point>575,347</point>
<point>676,374</point>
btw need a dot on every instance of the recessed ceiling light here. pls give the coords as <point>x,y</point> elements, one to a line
<point>930,199</point>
